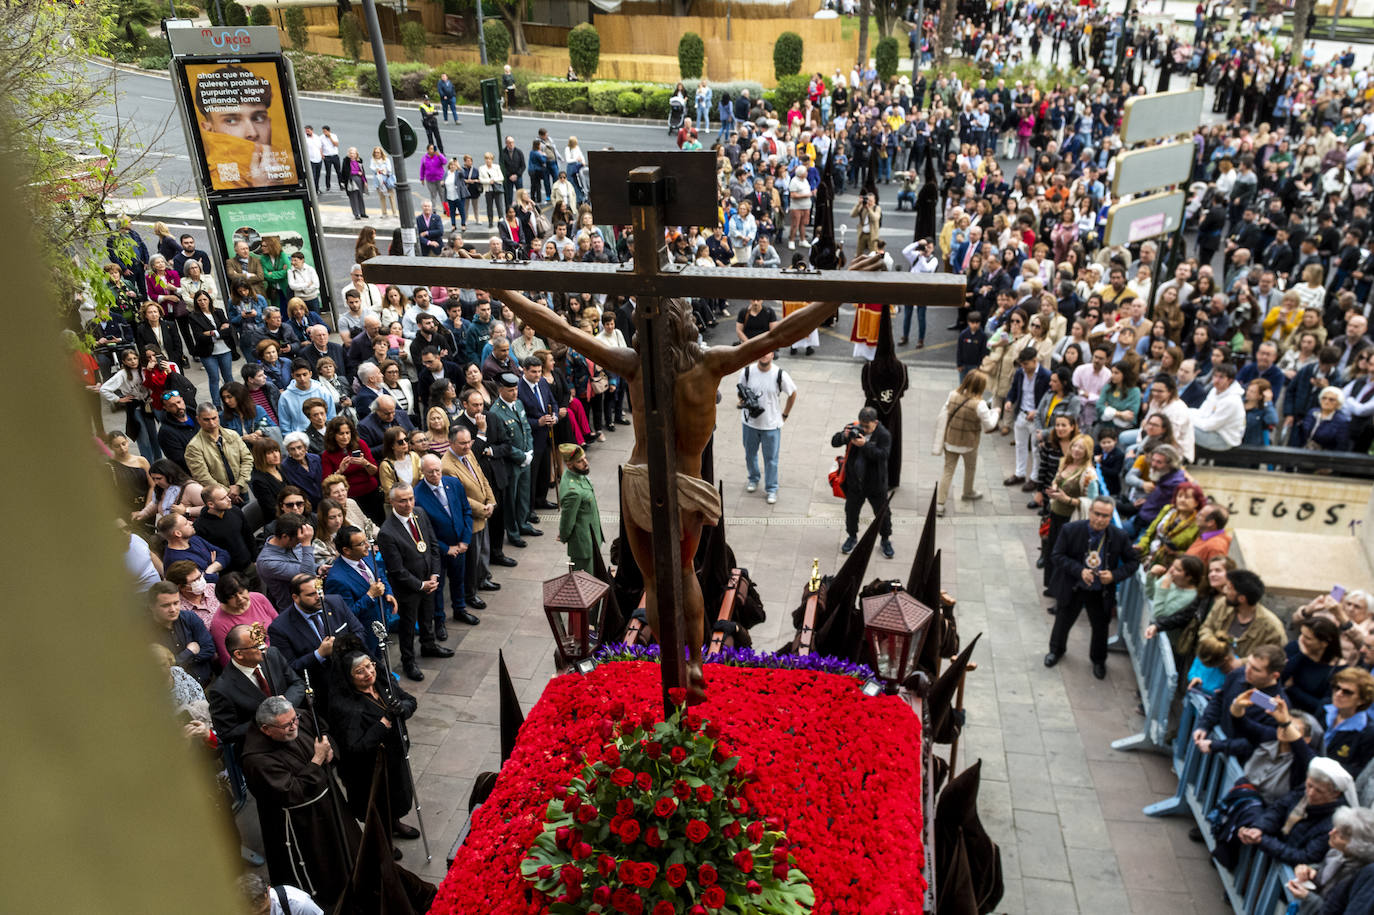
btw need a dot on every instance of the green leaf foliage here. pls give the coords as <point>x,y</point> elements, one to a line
<point>414,40</point>
<point>629,104</point>
<point>584,50</point>
<point>260,15</point>
<point>498,41</point>
<point>691,55</point>
<point>885,58</point>
<point>296,29</point>
<point>351,36</point>
<point>787,55</point>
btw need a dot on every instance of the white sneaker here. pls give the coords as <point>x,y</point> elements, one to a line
<point>791,246</point>
<point>752,487</point>
<point>772,497</point>
<point>972,496</point>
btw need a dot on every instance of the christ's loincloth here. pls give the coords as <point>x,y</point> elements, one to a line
<point>694,496</point>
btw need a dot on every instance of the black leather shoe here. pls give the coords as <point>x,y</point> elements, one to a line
<point>489,585</point>
<point>849,544</point>
<point>1040,563</point>
<point>1100,671</point>
<point>463,616</point>
<point>412,670</point>
<point>435,651</point>
<point>503,561</point>
<point>531,532</point>
<point>440,631</point>
<point>476,603</point>
<point>402,831</point>
<point>515,542</point>
<point>531,519</point>
<point>547,506</point>
<point>1051,659</point>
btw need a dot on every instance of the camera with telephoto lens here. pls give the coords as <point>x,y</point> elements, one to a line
<point>749,400</point>
<point>852,431</point>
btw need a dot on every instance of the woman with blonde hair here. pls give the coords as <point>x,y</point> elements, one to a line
<point>385,177</point>
<point>167,243</point>
<point>958,433</point>
<point>1311,293</point>
<point>1074,480</point>
<point>437,424</point>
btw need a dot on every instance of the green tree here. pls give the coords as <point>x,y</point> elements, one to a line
<point>498,42</point>
<point>787,55</point>
<point>584,50</point>
<point>351,37</point>
<point>72,164</point>
<point>691,53</point>
<point>234,13</point>
<point>296,29</point>
<point>885,57</point>
<point>134,16</point>
<point>414,40</point>
<point>260,15</point>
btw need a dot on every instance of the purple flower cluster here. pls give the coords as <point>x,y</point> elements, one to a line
<point>745,657</point>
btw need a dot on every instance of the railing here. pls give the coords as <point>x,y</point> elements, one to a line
<point>1152,660</point>
<point>1256,885</point>
<point>1281,457</point>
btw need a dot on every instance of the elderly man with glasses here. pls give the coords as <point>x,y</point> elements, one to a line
<point>1090,557</point>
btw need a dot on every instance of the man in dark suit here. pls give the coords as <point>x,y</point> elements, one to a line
<point>867,445</point>
<point>542,413</point>
<point>499,362</point>
<point>429,332</point>
<point>433,366</point>
<point>513,168</point>
<point>410,551</point>
<point>254,672</point>
<point>474,419</point>
<point>429,228</point>
<point>1090,557</point>
<point>360,350</point>
<point>319,346</point>
<point>305,634</point>
<point>446,503</point>
<point>384,415</point>
<point>359,579</point>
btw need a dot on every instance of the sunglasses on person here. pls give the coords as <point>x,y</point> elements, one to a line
<point>168,395</point>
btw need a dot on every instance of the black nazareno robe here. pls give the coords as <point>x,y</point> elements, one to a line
<point>300,830</point>
<point>884,382</point>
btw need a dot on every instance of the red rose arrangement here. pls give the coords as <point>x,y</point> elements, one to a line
<point>836,771</point>
<point>660,824</point>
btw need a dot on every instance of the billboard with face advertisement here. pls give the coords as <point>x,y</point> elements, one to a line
<point>242,124</point>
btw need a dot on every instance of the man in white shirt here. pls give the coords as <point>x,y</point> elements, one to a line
<point>269,900</point>
<point>1219,424</point>
<point>314,151</point>
<point>329,152</point>
<point>1089,380</point>
<point>421,306</point>
<point>921,256</point>
<point>763,415</point>
<point>304,281</point>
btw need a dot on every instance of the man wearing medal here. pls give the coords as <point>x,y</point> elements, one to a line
<point>1090,558</point>
<point>406,540</point>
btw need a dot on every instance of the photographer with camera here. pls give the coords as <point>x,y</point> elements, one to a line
<point>867,444</point>
<point>761,388</point>
<point>870,216</point>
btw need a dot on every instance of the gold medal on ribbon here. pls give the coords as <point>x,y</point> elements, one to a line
<point>1093,560</point>
<point>420,545</point>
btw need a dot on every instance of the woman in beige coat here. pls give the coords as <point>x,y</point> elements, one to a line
<point>958,432</point>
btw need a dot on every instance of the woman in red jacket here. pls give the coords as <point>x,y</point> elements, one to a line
<point>349,455</point>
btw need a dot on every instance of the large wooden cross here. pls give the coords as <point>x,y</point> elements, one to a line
<point>664,189</point>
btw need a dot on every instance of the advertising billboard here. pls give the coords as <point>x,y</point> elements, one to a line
<point>289,218</point>
<point>241,124</point>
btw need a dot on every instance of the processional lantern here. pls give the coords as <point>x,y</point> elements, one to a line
<point>895,624</point>
<point>574,604</point>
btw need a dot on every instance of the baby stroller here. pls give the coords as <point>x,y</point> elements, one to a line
<point>677,110</point>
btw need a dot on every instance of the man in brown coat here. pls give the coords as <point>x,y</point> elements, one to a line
<point>245,267</point>
<point>461,463</point>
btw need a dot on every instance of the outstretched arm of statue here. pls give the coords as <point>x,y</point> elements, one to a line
<point>726,361</point>
<point>621,360</point>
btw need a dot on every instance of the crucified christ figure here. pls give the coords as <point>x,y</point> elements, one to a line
<point>696,377</point>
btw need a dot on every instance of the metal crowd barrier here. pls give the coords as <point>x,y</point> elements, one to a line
<point>1256,886</point>
<point>1152,660</point>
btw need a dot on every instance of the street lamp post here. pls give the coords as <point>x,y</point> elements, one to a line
<point>405,206</point>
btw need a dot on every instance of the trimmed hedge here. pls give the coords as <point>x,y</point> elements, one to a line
<point>629,104</point>
<point>234,14</point>
<point>296,28</point>
<point>414,40</point>
<point>787,55</point>
<point>351,37</point>
<point>691,52</point>
<point>557,95</point>
<point>656,103</point>
<point>605,97</point>
<point>885,58</point>
<point>497,40</point>
<point>411,80</point>
<point>584,50</point>
<point>790,89</point>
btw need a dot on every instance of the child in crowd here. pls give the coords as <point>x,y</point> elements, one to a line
<point>972,346</point>
<point>1260,416</point>
<point>1110,460</point>
<point>1215,659</point>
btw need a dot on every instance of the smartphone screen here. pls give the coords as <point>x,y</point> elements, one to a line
<point>1263,700</point>
<point>1338,593</point>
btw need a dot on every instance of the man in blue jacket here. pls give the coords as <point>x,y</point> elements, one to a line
<point>181,631</point>
<point>359,577</point>
<point>1261,674</point>
<point>446,503</point>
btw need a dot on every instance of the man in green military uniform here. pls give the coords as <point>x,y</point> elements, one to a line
<point>512,445</point>
<point>579,520</point>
